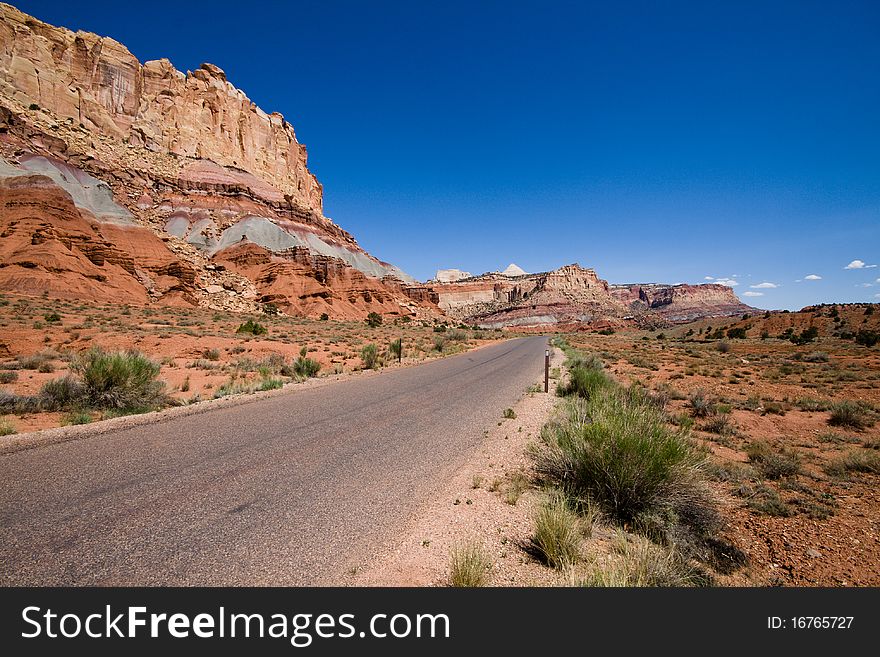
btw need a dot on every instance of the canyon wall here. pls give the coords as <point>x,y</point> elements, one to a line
<point>184,161</point>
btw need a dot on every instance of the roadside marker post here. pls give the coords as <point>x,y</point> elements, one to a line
<point>400,351</point>
<point>546,370</point>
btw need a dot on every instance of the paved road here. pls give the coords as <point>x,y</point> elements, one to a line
<point>288,490</point>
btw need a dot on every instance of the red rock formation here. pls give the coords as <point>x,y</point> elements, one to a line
<point>571,296</point>
<point>175,168</point>
<point>300,283</point>
<point>49,245</point>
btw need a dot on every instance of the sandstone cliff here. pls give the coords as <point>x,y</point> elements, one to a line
<point>572,296</point>
<point>180,160</point>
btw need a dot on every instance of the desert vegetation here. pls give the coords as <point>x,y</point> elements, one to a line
<point>787,432</point>
<point>48,378</point>
<point>611,457</point>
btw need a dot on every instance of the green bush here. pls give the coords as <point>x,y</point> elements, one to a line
<point>737,333</point>
<point>851,415</point>
<point>558,531</point>
<point>305,367</point>
<point>774,464</point>
<point>62,393</point>
<point>253,328</point>
<point>8,376</point>
<point>619,451</point>
<point>370,356</point>
<point>583,382</point>
<point>374,320</point>
<point>325,317</point>
<point>6,428</point>
<point>395,349</point>
<point>854,461</point>
<point>119,380</point>
<point>700,405</point>
<point>867,338</point>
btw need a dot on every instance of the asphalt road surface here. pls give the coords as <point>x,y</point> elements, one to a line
<point>288,490</point>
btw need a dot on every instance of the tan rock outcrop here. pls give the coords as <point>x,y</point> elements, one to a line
<point>97,82</point>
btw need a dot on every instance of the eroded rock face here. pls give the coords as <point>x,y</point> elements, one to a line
<point>97,82</point>
<point>572,296</point>
<point>681,303</point>
<point>173,169</point>
<point>48,243</point>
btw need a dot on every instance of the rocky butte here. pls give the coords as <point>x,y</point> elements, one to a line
<point>130,182</point>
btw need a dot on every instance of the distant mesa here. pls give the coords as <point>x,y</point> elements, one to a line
<point>451,275</point>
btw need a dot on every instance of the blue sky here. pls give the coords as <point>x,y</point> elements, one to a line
<point>654,141</point>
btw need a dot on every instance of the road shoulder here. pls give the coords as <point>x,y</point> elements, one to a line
<point>474,506</point>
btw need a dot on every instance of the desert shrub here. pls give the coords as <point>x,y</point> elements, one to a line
<point>77,417</point>
<point>816,357</point>
<point>440,343</point>
<point>395,349</point>
<point>810,404</point>
<point>440,328</point>
<point>469,566</point>
<point>773,408</point>
<point>583,382</point>
<point>558,532</point>
<point>62,393</point>
<point>52,317</point>
<point>8,376</point>
<point>119,380</point>
<point>370,356</point>
<point>720,424</point>
<point>253,328</point>
<point>806,336</point>
<point>271,309</point>
<point>867,338</point>
<point>509,414</point>
<point>737,333</point>
<point>211,354</point>
<point>854,461</point>
<point>851,415</point>
<point>517,484</point>
<point>457,335</point>
<point>7,428</point>
<point>35,361</point>
<point>269,383</point>
<point>700,405</point>
<point>305,367</point>
<point>766,500</point>
<point>325,317</point>
<point>620,452</point>
<point>771,463</point>
<point>374,320</point>
<point>640,563</point>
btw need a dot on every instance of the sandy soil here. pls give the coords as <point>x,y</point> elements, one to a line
<point>198,350</point>
<point>825,528</point>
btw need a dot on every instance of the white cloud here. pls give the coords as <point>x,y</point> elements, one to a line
<point>764,286</point>
<point>812,277</point>
<point>859,264</point>
<point>708,278</point>
<point>865,285</point>
<point>749,293</point>
<point>729,282</point>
